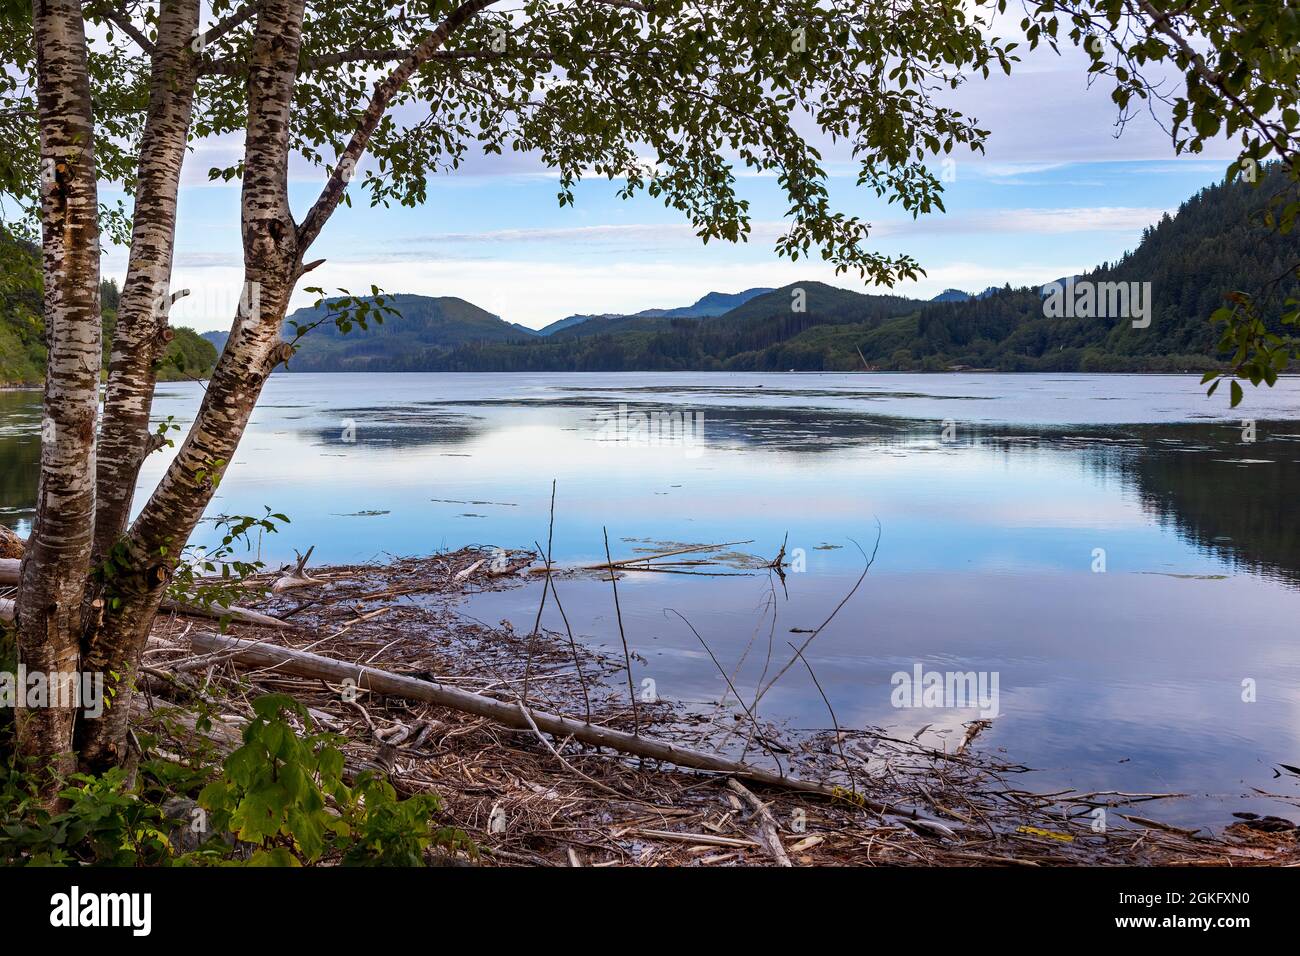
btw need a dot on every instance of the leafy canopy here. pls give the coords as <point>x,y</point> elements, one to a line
<point>670,99</point>
<point>1237,66</point>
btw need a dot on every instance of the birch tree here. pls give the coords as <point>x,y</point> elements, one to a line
<point>53,578</point>
<point>664,98</point>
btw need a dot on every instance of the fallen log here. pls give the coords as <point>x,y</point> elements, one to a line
<point>286,660</point>
<point>9,569</point>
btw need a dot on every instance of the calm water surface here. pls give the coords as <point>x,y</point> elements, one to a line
<point>998,498</point>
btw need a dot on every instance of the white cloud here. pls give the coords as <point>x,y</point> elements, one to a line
<point>1029,221</point>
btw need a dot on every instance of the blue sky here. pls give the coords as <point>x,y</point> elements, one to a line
<point>1057,192</point>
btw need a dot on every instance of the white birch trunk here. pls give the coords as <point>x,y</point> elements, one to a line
<point>57,556</point>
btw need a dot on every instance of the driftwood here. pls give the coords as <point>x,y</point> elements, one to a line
<point>465,573</point>
<point>697,839</point>
<point>641,563</point>
<point>218,611</point>
<point>510,713</point>
<point>767,828</point>
<point>298,577</point>
<point>9,568</point>
<point>512,568</point>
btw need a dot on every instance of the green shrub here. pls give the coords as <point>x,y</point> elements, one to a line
<point>279,800</point>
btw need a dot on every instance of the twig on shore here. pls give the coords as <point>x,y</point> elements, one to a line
<point>839,740</point>
<point>748,713</point>
<point>627,657</point>
<point>541,605</point>
<point>811,637</point>
<point>573,645</point>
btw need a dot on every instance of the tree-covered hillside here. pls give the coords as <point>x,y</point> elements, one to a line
<point>426,329</point>
<point>22,334</point>
<point>1214,245</point>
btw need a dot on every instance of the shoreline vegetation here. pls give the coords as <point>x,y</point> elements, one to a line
<point>374,651</point>
<point>34,387</point>
<point>186,354</point>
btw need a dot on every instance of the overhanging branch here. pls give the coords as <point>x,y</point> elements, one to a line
<point>122,20</point>
<point>383,95</point>
<point>229,22</point>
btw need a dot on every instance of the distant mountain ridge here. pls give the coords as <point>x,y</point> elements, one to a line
<point>957,295</point>
<point>427,325</point>
<point>714,303</point>
<point>1215,244</point>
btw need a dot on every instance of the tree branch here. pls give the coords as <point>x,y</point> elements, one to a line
<point>1159,23</point>
<point>379,100</point>
<point>229,22</point>
<point>122,20</point>
<point>397,54</point>
<point>393,55</point>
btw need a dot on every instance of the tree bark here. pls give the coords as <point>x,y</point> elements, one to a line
<point>124,438</point>
<point>57,558</point>
<point>272,263</point>
<point>147,555</point>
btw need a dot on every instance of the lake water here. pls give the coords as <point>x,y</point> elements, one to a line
<point>1114,550</point>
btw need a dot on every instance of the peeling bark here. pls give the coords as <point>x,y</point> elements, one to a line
<point>124,439</point>
<point>11,545</point>
<point>272,264</point>
<point>57,556</point>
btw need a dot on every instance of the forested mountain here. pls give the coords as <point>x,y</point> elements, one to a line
<point>714,303</point>
<point>426,329</point>
<point>1214,245</point>
<point>661,342</point>
<point>22,351</point>
<point>22,334</point>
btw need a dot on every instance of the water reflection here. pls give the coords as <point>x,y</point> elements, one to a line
<point>993,515</point>
<point>20,455</point>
